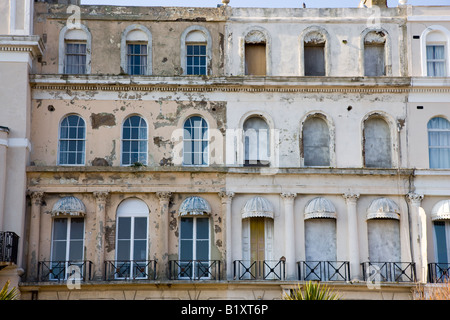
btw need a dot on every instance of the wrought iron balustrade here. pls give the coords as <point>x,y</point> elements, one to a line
<point>438,272</point>
<point>9,245</point>
<point>324,270</point>
<point>194,269</point>
<point>259,270</point>
<point>389,271</point>
<point>64,270</point>
<point>130,269</point>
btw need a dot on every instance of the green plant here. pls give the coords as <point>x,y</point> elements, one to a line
<point>312,291</point>
<point>13,294</point>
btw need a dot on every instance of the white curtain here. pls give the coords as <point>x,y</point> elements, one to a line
<point>436,61</point>
<point>439,143</point>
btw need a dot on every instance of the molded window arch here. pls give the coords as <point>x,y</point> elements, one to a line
<point>317,143</point>
<point>72,140</point>
<point>196,51</point>
<point>376,59</point>
<point>377,142</point>
<point>314,52</point>
<point>435,51</point>
<point>195,141</point>
<point>134,140</point>
<point>75,48</point>
<point>256,52</point>
<point>136,50</point>
<point>439,143</point>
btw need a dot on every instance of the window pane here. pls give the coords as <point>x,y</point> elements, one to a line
<point>441,241</point>
<point>59,228</point>
<point>124,231</point>
<point>76,250</point>
<point>186,228</point>
<point>59,250</point>
<point>140,228</point>
<point>202,250</point>
<point>77,229</point>
<point>123,250</point>
<point>186,252</point>
<point>202,228</point>
<point>140,247</point>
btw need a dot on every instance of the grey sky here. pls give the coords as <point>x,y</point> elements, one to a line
<point>256,3</point>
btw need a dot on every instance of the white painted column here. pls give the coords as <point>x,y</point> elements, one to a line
<point>418,235</point>
<point>3,151</point>
<point>353,235</point>
<point>226,198</point>
<point>99,259</point>
<point>289,234</point>
<point>34,236</point>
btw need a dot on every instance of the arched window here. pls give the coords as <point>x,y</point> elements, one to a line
<point>196,51</point>
<point>134,141</point>
<point>439,143</point>
<point>377,143</point>
<point>440,216</point>
<point>436,54</point>
<point>136,50</point>
<point>195,142</point>
<point>314,60</point>
<point>375,54</point>
<point>75,51</point>
<point>255,53</point>
<point>316,142</point>
<point>132,239</point>
<point>72,135</point>
<point>256,142</point>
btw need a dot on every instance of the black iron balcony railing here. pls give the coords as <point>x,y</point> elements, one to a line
<point>64,270</point>
<point>9,245</point>
<point>259,270</point>
<point>389,271</point>
<point>130,269</point>
<point>438,272</point>
<point>194,269</point>
<point>324,270</point>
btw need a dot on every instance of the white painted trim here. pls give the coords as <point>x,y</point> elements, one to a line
<point>208,48</point>
<point>19,143</point>
<point>62,48</point>
<point>123,47</point>
<point>423,47</point>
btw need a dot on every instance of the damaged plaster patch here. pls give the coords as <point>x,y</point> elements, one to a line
<point>102,119</point>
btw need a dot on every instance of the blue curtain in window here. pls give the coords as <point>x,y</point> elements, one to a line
<point>436,61</point>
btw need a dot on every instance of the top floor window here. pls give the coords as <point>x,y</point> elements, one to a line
<point>435,51</point>
<point>374,54</point>
<point>255,53</point>
<point>136,50</point>
<point>195,51</point>
<point>314,48</point>
<point>75,51</point>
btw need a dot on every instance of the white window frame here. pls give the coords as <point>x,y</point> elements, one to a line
<point>67,239</point>
<point>423,47</point>
<point>203,139</point>
<point>183,47</point>
<point>194,245</point>
<point>136,211</point>
<point>71,139</point>
<point>139,140</point>
<point>436,147</point>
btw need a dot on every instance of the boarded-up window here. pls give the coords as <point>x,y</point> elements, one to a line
<point>314,60</point>
<point>374,54</point>
<point>384,240</point>
<point>377,143</point>
<point>316,142</point>
<point>255,59</point>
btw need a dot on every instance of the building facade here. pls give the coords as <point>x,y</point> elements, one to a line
<point>224,153</point>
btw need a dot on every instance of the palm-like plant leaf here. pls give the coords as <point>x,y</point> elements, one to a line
<point>312,291</point>
<point>13,294</point>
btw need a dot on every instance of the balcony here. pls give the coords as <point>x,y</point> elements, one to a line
<point>259,270</point>
<point>130,270</point>
<point>389,271</point>
<point>438,272</point>
<point>9,245</point>
<point>194,269</point>
<point>324,270</point>
<point>64,270</point>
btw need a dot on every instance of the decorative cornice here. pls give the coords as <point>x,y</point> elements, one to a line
<point>415,198</point>
<point>226,196</point>
<point>351,197</point>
